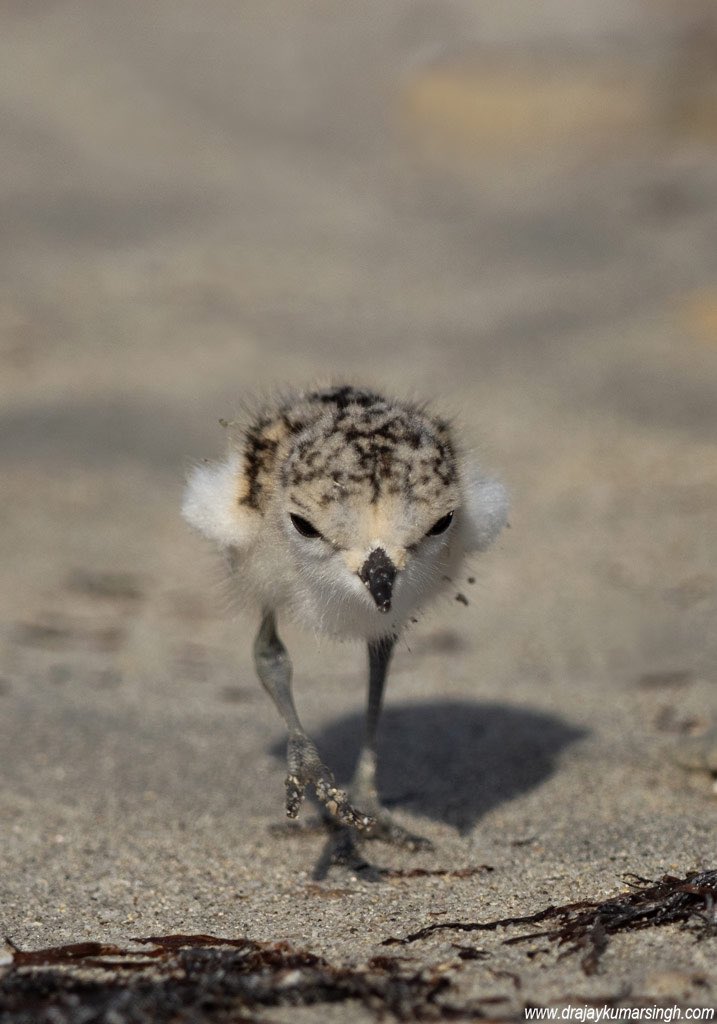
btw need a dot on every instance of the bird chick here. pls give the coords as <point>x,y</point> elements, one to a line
<point>347,511</point>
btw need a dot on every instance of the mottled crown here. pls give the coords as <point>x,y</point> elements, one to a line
<point>341,442</point>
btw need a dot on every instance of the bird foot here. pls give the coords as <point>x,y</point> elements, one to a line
<point>306,768</point>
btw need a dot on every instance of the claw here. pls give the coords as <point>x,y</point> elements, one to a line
<point>294,796</point>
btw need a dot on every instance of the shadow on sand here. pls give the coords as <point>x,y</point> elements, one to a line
<point>451,760</point>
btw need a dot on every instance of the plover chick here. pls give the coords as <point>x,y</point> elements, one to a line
<point>348,511</point>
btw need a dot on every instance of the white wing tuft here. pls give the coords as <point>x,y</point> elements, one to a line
<point>210,503</point>
<point>486,509</point>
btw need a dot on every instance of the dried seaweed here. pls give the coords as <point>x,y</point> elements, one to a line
<point>472,926</point>
<point>190,978</point>
<point>586,926</point>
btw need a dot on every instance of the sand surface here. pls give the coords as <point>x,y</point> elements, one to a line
<point>501,206</point>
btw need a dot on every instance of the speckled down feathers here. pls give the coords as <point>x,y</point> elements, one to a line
<point>343,442</point>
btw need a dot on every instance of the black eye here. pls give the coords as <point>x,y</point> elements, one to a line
<point>441,525</point>
<point>303,526</point>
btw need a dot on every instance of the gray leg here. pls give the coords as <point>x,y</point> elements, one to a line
<point>342,847</point>
<point>304,764</point>
<point>379,658</point>
<point>363,787</point>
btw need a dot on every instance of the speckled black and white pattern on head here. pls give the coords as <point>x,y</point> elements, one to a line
<point>344,442</point>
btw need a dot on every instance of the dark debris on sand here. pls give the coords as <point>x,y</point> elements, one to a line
<point>204,979</point>
<point>187,979</point>
<point>586,926</point>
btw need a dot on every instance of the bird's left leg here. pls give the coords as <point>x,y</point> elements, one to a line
<point>363,787</point>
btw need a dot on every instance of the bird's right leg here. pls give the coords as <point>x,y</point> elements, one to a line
<point>305,767</point>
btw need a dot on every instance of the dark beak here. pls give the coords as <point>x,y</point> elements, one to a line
<point>378,573</point>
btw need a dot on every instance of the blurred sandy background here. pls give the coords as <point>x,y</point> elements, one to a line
<point>508,206</point>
